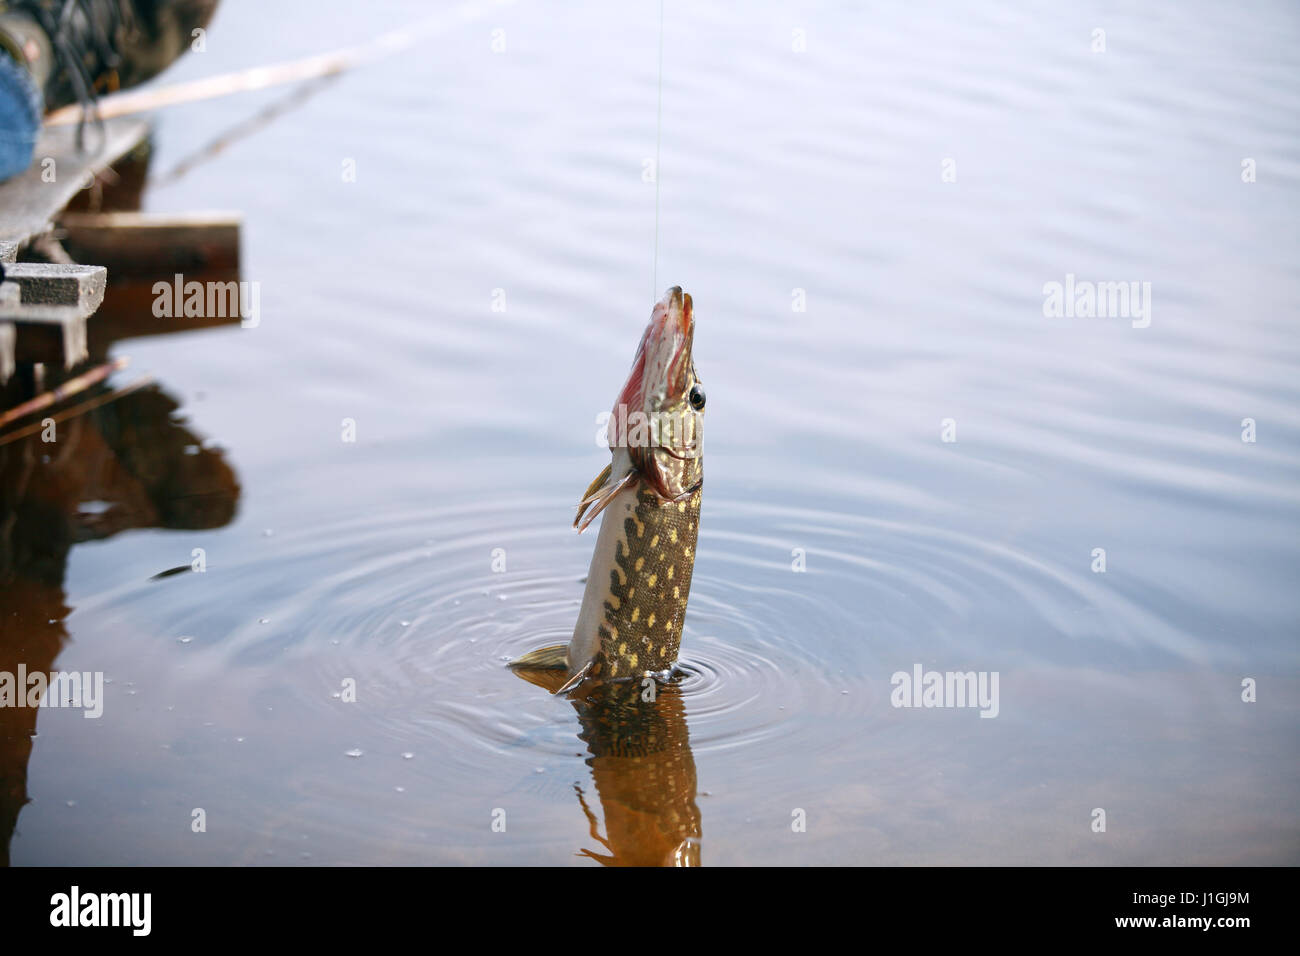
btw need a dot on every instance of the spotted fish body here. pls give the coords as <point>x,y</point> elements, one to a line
<point>634,607</point>
<point>635,602</point>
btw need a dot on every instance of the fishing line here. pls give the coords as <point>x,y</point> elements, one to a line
<point>659,129</point>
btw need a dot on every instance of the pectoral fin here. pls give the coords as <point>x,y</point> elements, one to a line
<point>576,679</point>
<point>599,494</point>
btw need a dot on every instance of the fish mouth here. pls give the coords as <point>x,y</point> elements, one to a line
<point>676,313</point>
<point>677,302</point>
<point>661,368</point>
<point>663,359</point>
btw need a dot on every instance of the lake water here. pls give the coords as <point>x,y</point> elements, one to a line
<point>908,462</point>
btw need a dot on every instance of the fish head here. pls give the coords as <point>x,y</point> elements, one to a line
<point>657,424</point>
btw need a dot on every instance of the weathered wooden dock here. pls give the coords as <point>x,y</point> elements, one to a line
<point>44,306</point>
<point>29,203</point>
<point>58,250</point>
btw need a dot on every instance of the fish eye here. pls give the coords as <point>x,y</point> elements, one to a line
<point>696,398</point>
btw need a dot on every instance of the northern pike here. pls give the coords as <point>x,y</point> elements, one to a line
<point>630,624</point>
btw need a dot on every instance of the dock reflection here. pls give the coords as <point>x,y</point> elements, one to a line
<point>131,462</point>
<point>125,465</point>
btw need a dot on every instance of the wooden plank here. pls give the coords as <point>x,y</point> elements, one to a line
<point>48,304</point>
<point>8,334</point>
<point>137,245</point>
<point>8,337</point>
<point>43,283</point>
<point>50,334</point>
<point>128,313</point>
<point>55,334</point>
<point>30,202</point>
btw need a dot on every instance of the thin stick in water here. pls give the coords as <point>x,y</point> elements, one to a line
<point>76,410</point>
<point>258,78</point>
<point>71,387</point>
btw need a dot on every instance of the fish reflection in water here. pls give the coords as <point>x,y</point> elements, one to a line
<point>642,769</point>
